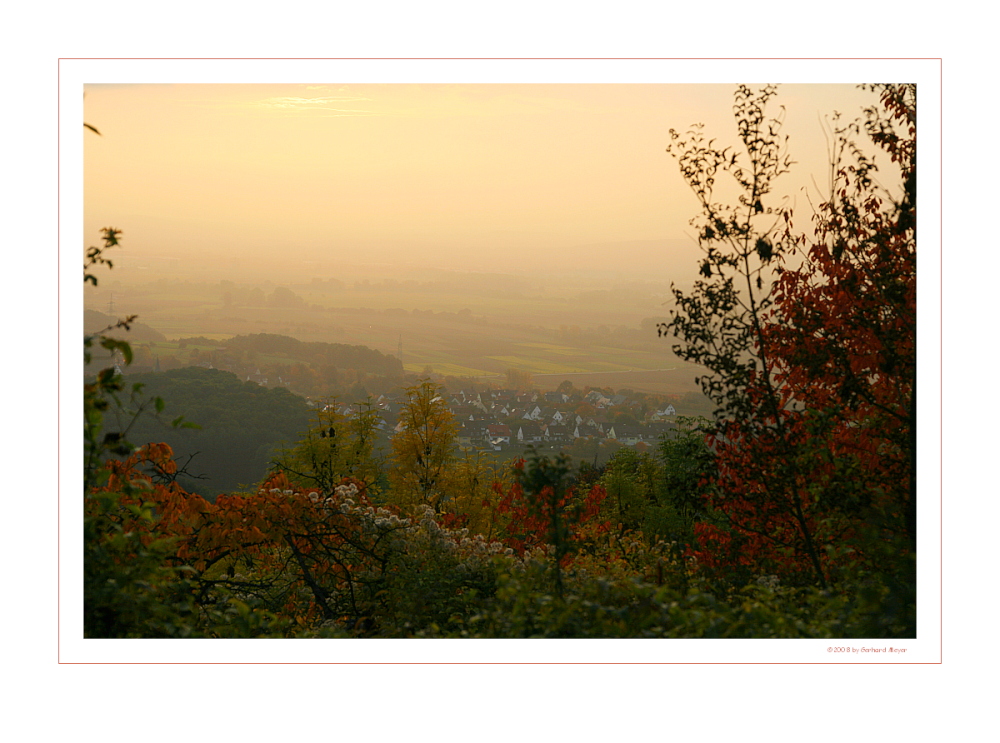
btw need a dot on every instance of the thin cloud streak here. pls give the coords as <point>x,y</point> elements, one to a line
<point>306,104</point>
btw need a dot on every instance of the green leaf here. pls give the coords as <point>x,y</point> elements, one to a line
<point>113,344</point>
<point>179,422</point>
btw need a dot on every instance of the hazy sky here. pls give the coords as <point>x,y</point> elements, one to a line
<point>444,175</point>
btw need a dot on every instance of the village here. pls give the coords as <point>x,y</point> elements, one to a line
<point>501,420</point>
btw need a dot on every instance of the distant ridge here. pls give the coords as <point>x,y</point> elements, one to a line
<point>94,322</point>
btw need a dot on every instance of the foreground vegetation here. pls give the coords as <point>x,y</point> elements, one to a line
<point>791,513</point>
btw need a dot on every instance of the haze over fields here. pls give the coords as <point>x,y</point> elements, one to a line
<point>482,227</point>
<point>385,360</point>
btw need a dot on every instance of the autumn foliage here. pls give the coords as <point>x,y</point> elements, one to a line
<point>551,515</point>
<point>816,459</point>
<point>791,514</point>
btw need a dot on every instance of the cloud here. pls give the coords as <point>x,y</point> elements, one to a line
<point>318,103</point>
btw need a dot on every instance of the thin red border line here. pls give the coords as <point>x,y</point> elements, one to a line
<point>58,361</point>
<point>941,363</point>
<point>507,59</point>
<point>941,359</point>
<point>940,61</point>
<point>59,370</point>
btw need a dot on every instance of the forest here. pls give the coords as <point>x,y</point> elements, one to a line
<point>790,512</point>
<point>240,425</point>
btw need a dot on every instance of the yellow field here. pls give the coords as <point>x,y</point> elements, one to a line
<point>452,370</point>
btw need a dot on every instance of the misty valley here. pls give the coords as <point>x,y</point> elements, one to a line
<point>466,325</point>
<point>299,436</point>
<point>481,360</point>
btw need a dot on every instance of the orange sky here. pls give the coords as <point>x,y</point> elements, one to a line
<point>442,175</point>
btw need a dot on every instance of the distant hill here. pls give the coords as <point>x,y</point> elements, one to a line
<point>340,355</point>
<point>242,424</point>
<point>94,321</point>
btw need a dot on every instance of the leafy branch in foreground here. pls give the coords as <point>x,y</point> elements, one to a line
<point>95,255</point>
<point>809,343</point>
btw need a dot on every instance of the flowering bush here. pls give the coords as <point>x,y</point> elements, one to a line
<point>322,559</point>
